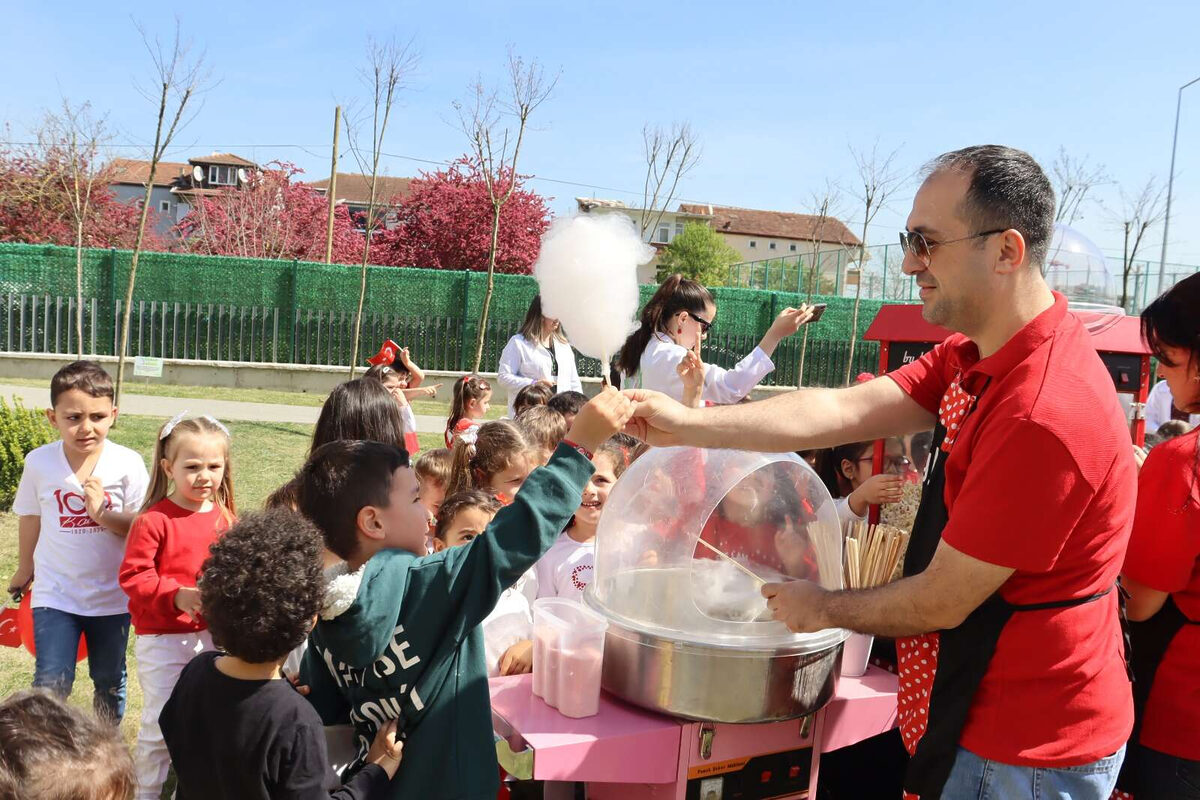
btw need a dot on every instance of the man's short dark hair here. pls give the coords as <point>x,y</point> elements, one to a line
<point>342,478</point>
<point>262,585</point>
<point>86,376</point>
<point>1008,190</point>
<point>568,402</point>
<point>49,749</point>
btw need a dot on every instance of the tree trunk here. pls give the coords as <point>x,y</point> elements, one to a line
<point>1125,268</point>
<point>133,265</point>
<point>362,296</point>
<point>491,283</point>
<point>79,288</point>
<point>862,258</point>
<point>803,352</point>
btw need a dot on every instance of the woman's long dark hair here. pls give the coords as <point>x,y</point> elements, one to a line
<point>360,409</point>
<point>535,323</point>
<point>676,294</point>
<point>1173,320</point>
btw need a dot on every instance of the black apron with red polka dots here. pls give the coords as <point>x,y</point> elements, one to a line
<point>941,671</point>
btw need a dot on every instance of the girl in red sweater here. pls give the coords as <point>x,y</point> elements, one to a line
<point>189,504</point>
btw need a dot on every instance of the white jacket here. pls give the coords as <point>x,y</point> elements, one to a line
<point>656,371</point>
<point>524,362</point>
<point>1158,408</point>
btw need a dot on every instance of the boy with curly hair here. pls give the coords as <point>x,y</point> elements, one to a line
<point>235,727</point>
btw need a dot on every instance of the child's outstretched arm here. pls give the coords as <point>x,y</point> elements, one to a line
<point>523,531</point>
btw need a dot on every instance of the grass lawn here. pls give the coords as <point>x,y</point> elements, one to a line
<point>265,455</point>
<point>434,407</point>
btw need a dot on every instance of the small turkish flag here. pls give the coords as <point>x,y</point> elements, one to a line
<point>10,628</point>
<point>386,355</point>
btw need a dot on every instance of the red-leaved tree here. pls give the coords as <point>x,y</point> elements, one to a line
<point>269,216</point>
<point>445,222</point>
<point>35,207</point>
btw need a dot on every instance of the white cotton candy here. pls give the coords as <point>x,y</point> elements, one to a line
<point>587,276</point>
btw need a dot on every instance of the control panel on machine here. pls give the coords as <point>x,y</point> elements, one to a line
<point>758,778</point>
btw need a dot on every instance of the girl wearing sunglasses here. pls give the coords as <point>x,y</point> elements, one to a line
<point>676,321</point>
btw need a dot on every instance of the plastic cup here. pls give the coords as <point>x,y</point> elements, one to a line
<point>548,622</point>
<point>580,662</point>
<point>856,654</point>
<point>568,654</point>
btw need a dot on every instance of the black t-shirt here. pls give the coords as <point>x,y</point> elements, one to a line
<point>246,740</point>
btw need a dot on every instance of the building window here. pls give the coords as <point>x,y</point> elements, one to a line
<point>222,176</point>
<point>771,246</point>
<point>792,247</point>
<point>165,206</point>
<point>678,228</point>
<point>664,234</point>
<point>753,243</point>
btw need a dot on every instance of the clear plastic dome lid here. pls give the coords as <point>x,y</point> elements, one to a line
<point>689,536</point>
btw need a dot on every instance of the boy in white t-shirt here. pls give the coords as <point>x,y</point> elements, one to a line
<point>76,500</point>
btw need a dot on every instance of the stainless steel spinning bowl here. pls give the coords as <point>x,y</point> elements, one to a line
<point>744,672</point>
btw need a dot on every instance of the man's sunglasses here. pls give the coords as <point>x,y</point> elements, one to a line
<point>704,323</point>
<point>920,248</point>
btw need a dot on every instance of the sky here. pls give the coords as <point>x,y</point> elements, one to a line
<point>777,92</point>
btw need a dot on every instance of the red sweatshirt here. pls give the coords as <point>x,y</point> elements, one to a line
<point>166,547</point>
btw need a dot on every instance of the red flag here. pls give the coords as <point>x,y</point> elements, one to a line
<point>386,355</point>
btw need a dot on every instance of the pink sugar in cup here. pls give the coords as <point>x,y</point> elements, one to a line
<point>568,653</point>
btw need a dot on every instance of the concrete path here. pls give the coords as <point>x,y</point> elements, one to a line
<point>167,407</point>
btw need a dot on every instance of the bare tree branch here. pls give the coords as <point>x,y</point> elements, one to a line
<point>386,73</point>
<point>72,139</point>
<point>480,117</point>
<point>824,206</point>
<point>669,157</point>
<point>878,180</point>
<point>178,78</point>
<point>1074,178</point>
<point>1139,213</point>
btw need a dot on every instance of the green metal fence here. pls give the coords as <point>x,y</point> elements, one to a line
<point>225,309</point>
<point>884,279</point>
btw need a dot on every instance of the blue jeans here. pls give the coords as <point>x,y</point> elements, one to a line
<point>56,637</point>
<point>975,778</point>
<point>1165,777</point>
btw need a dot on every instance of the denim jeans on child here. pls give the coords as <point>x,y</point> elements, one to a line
<point>975,778</point>
<point>56,637</point>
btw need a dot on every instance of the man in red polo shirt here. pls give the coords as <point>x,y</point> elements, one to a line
<point>1013,672</point>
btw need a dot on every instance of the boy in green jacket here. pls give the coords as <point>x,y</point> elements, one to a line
<point>410,648</point>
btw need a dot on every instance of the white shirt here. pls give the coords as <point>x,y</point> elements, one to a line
<point>524,362</point>
<point>845,512</point>
<point>510,621</point>
<point>656,370</point>
<point>76,561</point>
<point>1158,408</point>
<point>566,569</point>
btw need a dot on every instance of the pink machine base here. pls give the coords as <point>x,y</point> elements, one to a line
<point>627,753</point>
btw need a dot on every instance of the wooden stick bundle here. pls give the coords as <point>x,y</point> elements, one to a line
<point>827,550</point>
<point>873,554</point>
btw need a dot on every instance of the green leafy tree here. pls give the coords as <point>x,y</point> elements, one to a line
<point>698,253</point>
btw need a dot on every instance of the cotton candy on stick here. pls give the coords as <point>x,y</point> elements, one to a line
<point>587,276</point>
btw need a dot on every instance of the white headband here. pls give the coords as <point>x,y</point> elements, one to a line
<point>175,420</point>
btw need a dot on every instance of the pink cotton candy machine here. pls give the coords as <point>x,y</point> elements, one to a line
<point>686,541</point>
